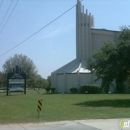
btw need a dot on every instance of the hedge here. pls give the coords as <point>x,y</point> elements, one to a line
<point>90,88</point>
<point>73,90</point>
<point>52,90</point>
<point>47,89</point>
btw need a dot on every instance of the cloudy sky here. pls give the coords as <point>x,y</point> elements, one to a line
<point>54,45</point>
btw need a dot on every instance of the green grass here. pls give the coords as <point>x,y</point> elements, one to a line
<point>18,108</point>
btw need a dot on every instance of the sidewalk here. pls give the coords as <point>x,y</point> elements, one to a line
<point>103,124</point>
<point>96,124</point>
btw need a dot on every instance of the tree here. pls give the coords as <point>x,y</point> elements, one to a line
<point>123,49</point>
<point>3,79</point>
<point>102,63</point>
<point>49,81</point>
<point>25,63</point>
<point>37,81</point>
<point>41,82</point>
<point>112,62</point>
<point>48,85</point>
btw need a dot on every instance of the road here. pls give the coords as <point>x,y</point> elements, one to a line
<point>99,124</point>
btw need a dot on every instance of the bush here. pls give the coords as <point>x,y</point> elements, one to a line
<point>47,89</point>
<point>52,90</point>
<point>73,90</point>
<point>92,89</point>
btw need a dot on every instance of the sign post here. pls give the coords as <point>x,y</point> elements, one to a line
<point>39,107</point>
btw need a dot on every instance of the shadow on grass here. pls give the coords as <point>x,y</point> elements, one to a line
<point>120,103</point>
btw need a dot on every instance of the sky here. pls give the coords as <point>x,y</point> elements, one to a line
<point>55,45</point>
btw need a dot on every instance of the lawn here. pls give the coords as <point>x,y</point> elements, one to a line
<point>18,108</point>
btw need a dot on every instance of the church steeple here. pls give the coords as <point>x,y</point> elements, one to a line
<point>84,23</point>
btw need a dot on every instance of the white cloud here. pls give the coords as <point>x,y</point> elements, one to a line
<point>58,31</point>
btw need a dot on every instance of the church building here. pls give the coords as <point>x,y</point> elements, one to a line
<point>88,39</point>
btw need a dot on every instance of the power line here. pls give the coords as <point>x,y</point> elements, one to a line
<point>1,3</point>
<point>9,16</point>
<point>6,13</point>
<point>38,30</point>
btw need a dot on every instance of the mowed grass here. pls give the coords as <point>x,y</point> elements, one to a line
<point>18,108</point>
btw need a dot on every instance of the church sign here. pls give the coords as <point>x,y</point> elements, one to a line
<point>16,81</point>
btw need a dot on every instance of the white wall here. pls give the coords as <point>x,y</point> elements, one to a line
<point>85,78</point>
<point>61,83</point>
<point>67,81</point>
<point>71,81</point>
<point>98,39</point>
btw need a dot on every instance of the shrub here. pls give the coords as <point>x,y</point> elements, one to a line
<point>47,89</point>
<point>73,90</point>
<point>52,90</point>
<point>92,89</point>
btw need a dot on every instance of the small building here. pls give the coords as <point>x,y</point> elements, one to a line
<point>88,39</point>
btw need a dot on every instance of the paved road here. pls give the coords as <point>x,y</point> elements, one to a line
<point>100,124</point>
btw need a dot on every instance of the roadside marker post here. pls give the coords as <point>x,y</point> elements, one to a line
<point>39,107</point>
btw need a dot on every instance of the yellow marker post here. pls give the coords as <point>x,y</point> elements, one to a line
<point>39,107</point>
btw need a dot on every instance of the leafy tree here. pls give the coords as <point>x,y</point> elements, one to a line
<point>23,62</point>
<point>48,84</point>
<point>31,82</point>
<point>123,58</point>
<point>49,81</point>
<point>41,82</point>
<point>102,63</point>
<point>34,80</point>
<point>3,78</point>
<point>124,35</point>
<point>112,62</point>
<point>37,82</point>
<point>47,89</point>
